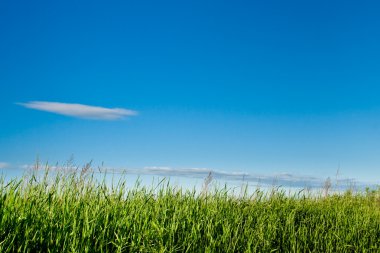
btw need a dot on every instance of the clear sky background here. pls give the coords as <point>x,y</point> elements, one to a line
<point>260,87</point>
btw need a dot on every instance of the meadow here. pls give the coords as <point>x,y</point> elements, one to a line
<point>76,212</point>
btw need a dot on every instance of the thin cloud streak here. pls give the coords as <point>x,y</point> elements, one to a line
<point>80,110</point>
<point>282,179</point>
<point>275,180</point>
<point>4,165</point>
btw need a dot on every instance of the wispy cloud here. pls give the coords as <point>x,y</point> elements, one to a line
<point>260,180</point>
<point>282,179</point>
<point>80,110</point>
<point>4,165</point>
<point>279,179</point>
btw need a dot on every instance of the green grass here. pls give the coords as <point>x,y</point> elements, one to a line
<point>73,213</point>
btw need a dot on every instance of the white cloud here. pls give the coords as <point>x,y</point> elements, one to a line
<point>280,179</point>
<point>4,165</point>
<point>284,179</point>
<point>80,110</point>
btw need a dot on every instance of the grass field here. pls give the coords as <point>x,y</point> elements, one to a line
<point>76,213</point>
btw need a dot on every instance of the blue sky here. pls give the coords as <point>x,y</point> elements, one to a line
<point>260,87</point>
